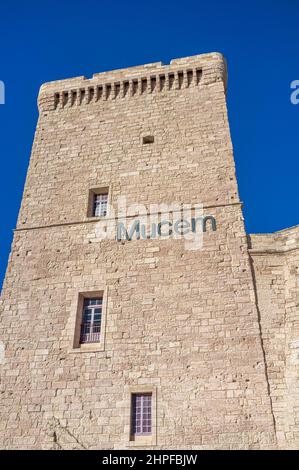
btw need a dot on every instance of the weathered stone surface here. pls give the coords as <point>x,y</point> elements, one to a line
<point>275,261</point>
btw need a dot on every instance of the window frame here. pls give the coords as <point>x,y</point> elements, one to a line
<point>77,317</point>
<point>134,440</point>
<point>91,205</point>
<point>144,415</point>
<point>101,205</point>
<point>93,325</point>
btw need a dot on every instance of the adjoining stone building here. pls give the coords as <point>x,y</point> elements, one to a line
<point>123,344</point>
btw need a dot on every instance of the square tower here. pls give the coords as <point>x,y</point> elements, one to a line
<point>121,343</point>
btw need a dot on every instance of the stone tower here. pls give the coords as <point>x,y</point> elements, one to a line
<point>178,332</point>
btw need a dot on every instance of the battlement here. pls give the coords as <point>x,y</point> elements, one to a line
<point>135,81</point>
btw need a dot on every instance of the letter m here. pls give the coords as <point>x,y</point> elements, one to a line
<point>121,230</point>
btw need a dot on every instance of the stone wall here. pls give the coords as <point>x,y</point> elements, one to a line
<point>275,260</point>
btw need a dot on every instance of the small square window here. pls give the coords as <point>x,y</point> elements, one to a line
<point>98,203</point>
<point>141,414</point>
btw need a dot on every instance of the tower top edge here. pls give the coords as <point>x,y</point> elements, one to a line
<point>200,60</point>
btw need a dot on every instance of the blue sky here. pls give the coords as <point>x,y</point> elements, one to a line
<point>50,40</point>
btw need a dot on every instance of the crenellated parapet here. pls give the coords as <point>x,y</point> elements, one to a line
<point>133,82</point>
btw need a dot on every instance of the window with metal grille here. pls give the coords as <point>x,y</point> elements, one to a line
<point>91,320</point>
<point>141,414</point>
<point>100,204</point>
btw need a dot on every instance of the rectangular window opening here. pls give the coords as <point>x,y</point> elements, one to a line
<point>98,202</point>
<point>141,414</point>
<point>148,139</point>
<point>90,328</point>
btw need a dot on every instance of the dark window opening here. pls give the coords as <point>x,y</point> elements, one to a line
<point>148,139</point>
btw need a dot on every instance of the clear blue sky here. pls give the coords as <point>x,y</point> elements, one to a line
<point>49,40</point>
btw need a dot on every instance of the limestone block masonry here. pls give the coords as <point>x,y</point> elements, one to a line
<point>212,334</point>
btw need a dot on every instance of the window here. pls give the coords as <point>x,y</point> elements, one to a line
<point>140,415</point>
<point>148,139</point>
<point>141,424</point>
<point>91,320</point>
<point>100,203</point>
<point>89,311</point>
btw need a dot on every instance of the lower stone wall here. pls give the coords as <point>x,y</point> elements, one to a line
<point>183,323</point>
<point>275,261</point>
